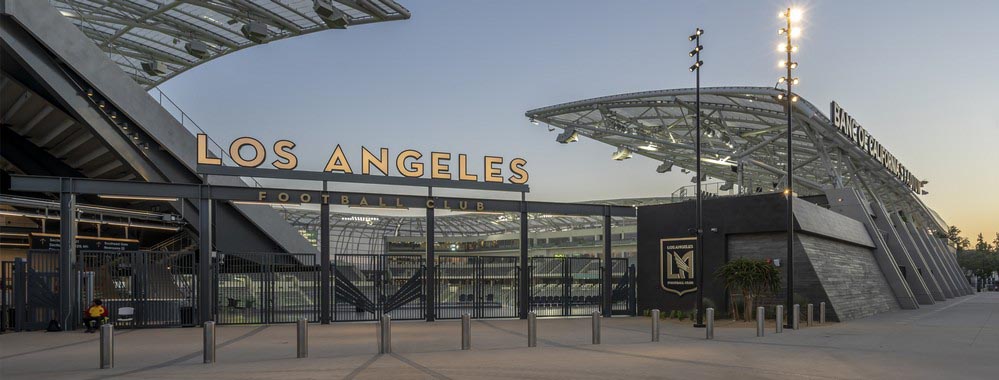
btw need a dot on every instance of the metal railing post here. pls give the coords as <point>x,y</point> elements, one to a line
<point>466,331</point>
<point>303,338</point>
<point>780,318</point>
<point>795,316</point>
<point>385,334</point>
<point>760,316</point>
<point>209,342</point>
<point>596,327</point>
<point>107,346</point>
<point>709,315</point>
<point>822,313</point>
<point>655,325</point>
<point>809,314</point>
<point>532,329</point>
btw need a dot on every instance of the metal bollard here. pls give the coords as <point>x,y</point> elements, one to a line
<point>532,330</point>
<point>760,316</point>
<point>596,327</point>
<point>809,314</point>
<point>780,318</point>
<point>466,331</point>
<point>303,338</point>
<point>209,338</point>
<point>107,346</point>
<point>655,325</point>
<point>795,316</point>
<point>822,313</point>
<point>709,315</point>
<point>385,334</point>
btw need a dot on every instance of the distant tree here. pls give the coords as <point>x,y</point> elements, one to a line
<point>958,241</point>
<point>981,245</point>
<point>995,243</point>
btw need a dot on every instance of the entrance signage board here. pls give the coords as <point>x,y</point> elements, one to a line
<point>45,241</point>
<point>676,265</point>
<point>850,128</point>
<point>248,152</point>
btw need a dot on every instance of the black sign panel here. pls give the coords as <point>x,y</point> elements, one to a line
<point>676,262</point>
<point>84,243</point>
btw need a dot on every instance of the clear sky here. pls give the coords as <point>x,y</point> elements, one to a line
<point>921,76</point>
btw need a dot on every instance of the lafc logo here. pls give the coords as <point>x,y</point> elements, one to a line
<point>681,267</point>
<point>676,263</point>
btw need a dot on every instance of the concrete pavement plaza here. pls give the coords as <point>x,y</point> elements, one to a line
<point>954,339</point>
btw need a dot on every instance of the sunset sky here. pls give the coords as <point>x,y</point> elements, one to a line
<point>459,75</point>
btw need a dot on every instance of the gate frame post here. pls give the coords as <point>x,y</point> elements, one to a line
<point>68,291</point>
<point>430,277</point>
<point>325,271</point>
<point>608,266</point>
<point>525,269</point>
<point>20,293</point>
<point>205,243</point>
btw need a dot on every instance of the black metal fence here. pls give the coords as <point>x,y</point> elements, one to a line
<point>42,289</point>
<point>366,286</point>
<point>141,288</point>
<point>6,295</point>
<point>256,288</point>
<point>482,286</point>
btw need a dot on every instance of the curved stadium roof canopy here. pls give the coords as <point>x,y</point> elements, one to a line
<point>154,40</point>
<point>744,142</point>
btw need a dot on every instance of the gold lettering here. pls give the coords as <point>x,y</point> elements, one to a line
<point>446,206</point>
<point>463,204</point>
<point>283,197</point>
<point>261,195</point>
<point>282,148</point>
<point>492,173</point>
<point>344,200</point>
<point>368,159</point>
<point>430,203</point>
<point>520,174</point>
<point>398,203</point>
<point>363,202</point>
<point>305,198</point>
<point>259,154</point>
<point>381,203</point>
<point>479,206</point>
<point>326,198</point>
<point>203,158</point>
<point>439,170</point>
<point>413,170</point>
<point>463,169</point>
<point>338,162</point>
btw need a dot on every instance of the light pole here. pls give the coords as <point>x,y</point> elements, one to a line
<point>699,257</point>
<point>787,47</point>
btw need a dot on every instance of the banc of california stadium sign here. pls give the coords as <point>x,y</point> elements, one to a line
<point>408,163</point>
<point>850,128</point>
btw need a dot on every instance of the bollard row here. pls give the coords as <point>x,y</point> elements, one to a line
<point>107,346</point>
<point>655,325</point>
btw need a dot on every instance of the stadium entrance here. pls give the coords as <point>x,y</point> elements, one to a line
<point>423,272</point>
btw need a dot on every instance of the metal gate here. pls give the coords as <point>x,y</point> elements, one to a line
<point>42,282</point>
<point>482,286</point>
<point>623,301</point>
<point>6,295</point>
<point>141,288</point>
<point>259,288</point>
<point>565,285</point>
<point>366,286</point>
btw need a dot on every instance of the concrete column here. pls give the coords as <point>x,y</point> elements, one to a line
<point>945,284</point>
<point>69,296</point>
<point>919,256</point>
<point>902,255</point>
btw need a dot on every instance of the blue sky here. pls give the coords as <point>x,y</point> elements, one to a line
<point>921,76</point>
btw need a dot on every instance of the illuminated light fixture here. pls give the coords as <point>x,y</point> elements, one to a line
<point>333,17</point>
<point>90,92</point>
<point>651,147</point>
<point>794,81</point>
<point>697,32</point>
<point>696,50</point>
<point>780,96</point>
<point>781,80</point>
<point>696,65</point>
<point>145,146</point>
<point>622,153</point>
<point>13,234</point>
<point>794,65</point>
<point>793,14</point>
<point>114,115</point>
<point>787,192</point>
<point>782,47</point>
<point>794,98</point>
<point>101,104</point>
<point>5,244</point>
<point>124,125</point>
<point>380,207</point>
<point>567,136</point>
<point>664,167</point>
<point>255,31</point>
<point>782,63</point>
<point>534,121</point>
<point>135,198</point>
<point>135,136</point>
<point>725,162</point>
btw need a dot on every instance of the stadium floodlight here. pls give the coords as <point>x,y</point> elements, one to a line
<point>696,65</point>
<point>567,136</point>
<point>255,31</point>
<point>154,68</point>
<point>696,50</point>
<point>333,17</point>
<point>698,217</point>
<point>622,153</point>
<point>664,167</point>
<point>197,49</point>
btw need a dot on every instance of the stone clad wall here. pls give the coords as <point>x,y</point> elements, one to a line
<point>844,275</point>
